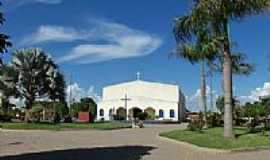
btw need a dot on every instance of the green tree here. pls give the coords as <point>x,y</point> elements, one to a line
<point>265,111</point>
<point>216,15</point>
<point>54,110</point>
<point>220,103</point>
<point>86,104</point>
<point>237,109</point>
<point>56,91</point>
<point>57,86</point>
<point>36,113</point>
<point>90,105</point>
<point>253,111</point>
<point>35,80</point>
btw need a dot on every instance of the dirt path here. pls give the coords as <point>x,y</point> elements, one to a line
<point>127,144</point>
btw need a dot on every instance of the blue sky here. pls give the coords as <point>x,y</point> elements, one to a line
<point>103,42</point>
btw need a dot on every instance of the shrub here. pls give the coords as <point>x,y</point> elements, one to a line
<point>5,118</point>
<point>56,118</point>
<point>142,115</point>
<point>195,125</point>
<point>68,119</point>
<point>267,127</point>
<point>151,116</point>
<point>36,112</point>
<point>214,120</point>
<point>118,117</point>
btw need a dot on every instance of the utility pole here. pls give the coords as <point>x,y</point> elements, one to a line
<point>70,93</point>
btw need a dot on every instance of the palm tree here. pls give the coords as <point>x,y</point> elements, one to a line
<point>201,51</point>
<point>216,16</point>
<point>4,42</point>
<point>38,77</point>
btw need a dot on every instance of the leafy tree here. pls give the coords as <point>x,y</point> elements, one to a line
<point>220,103</point>
<point>86,104</point>
<point>215,16</point>
<point>36,113</point>
<point>57,92</point>
<point>57,86</point>
<point>54,110</point>
<point>37,77</point>
<point>89,105</point>
<point>4,42</point>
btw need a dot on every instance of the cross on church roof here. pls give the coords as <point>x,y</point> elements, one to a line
<point>138,75</point>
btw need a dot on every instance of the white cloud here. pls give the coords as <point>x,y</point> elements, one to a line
<point>257,93</point>
<point>18,3</point>
<point>105,41</point>
<point>47,33</point>
<point>77,93</point>
<point>194,101</point>
<point>49,1</point>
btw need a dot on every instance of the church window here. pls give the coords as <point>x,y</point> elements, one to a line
<point>172,113</point>
<point>161,113</point>
<point>101,112</point>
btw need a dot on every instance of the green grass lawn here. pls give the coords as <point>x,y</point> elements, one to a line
<point>64,126</point>
<point>213,138</point>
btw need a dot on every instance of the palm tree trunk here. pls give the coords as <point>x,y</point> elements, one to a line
<point>211,91</point>
<point>203,93</point>
<point>227,77</point>
<point>227,82</point>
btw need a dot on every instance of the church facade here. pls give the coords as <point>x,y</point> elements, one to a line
<point>127,100</point>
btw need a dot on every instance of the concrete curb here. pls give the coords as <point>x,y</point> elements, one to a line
<point>192,146</point>
<point>188,145</point>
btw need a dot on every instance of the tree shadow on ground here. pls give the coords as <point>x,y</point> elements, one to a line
<point>100,153</point>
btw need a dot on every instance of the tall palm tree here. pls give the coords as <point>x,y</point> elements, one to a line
<point>216,15</point>
<point>38,77</point>
<point>200,50</point>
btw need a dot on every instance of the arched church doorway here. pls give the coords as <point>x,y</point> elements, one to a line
<point>134,112</point>
<point>151,113</point>
<point>121,114</point>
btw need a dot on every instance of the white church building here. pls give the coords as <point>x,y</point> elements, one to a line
<point>128,99</point>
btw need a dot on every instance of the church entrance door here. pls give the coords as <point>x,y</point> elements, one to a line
<point>120,114</point>
<point>134,112</point>
<point>150,113</point>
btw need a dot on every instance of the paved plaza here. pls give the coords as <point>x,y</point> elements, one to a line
<point>126,144</point>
